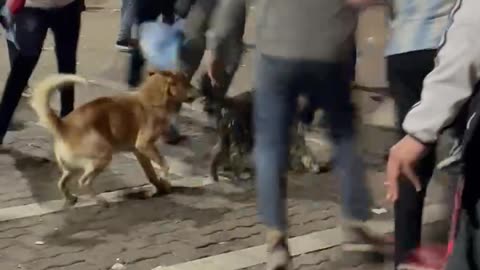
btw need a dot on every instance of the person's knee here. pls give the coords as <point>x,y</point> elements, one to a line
<point>24,64</point>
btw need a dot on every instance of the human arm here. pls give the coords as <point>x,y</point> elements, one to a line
<point>228,22</point>
<point>445,91</point>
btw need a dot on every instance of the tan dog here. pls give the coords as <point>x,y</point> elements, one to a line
<point>87,138</point>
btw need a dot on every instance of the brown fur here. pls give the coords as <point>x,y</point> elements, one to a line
<point>87,138</point>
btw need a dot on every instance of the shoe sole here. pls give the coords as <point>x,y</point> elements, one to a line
<point>123,48</point>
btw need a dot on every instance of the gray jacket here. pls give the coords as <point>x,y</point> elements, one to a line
<point>321,30</point>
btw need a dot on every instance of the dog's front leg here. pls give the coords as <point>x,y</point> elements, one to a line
<point>161,186</point>
<point>145,144</point>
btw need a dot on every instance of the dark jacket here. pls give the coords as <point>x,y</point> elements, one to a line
<point>149,10</point>
<point>471,154</point>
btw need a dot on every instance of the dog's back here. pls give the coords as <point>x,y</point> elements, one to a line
<point>117,119</point>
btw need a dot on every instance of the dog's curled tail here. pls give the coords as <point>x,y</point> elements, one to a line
<point>40,101</point>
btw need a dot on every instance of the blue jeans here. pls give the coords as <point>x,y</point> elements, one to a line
<point>278,83</point>
<point>127,19</point>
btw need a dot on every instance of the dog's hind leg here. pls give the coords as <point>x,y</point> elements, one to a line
<point>91,171</point>
<point>70,199</point>
<point>161,186</point>
<point>62,184</point>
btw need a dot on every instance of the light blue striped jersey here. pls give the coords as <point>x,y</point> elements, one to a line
<point>417,24</point>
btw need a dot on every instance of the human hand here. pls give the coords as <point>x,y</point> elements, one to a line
<point>401,161</point>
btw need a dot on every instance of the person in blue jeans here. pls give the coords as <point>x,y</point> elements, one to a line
<point>303,47</point>
<point>127,20</point>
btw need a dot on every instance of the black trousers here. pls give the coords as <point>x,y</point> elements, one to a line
<point>406,73</point>
<point>32,25</point>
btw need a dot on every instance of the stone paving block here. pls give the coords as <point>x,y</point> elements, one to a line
<point>148,264</point>
<point>62,261</point>
<point>138,255</point>
<point>82,266</point>
<point>19,253</point>
<point>161,231</point>
<point>4,264</point>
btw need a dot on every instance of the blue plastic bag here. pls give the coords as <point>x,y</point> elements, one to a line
<point>160,44</point>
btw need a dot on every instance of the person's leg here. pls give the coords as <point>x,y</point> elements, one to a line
<point>30,34</point>
<point>65,25</point>
<point>135,67</point>
<point>126,23</point>
<point>352,67</point>
<point>83,6</point>
<point>274,102</point>
<point>334,97</point>
<point>12,52</point>
<point>406,73</point>
<point>182,7</point>
<point>168,11</point>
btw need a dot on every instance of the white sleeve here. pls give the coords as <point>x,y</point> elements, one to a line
<point>452,81</point>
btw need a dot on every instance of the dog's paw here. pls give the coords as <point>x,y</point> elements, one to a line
<point>149,194</point>
<point>70,202</point>
<point>164,188</point>
<point>102,202</point>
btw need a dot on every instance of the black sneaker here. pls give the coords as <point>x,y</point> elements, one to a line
<point>123,45</point>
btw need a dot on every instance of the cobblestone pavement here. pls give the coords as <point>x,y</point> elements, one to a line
<point>187,225</point>
<point>326,260</point>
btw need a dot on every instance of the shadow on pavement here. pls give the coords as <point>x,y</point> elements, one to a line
<point>42,175</point>
<point>87,227</point>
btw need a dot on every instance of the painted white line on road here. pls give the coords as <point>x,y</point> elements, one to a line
<point>312,242</point>
<point>55,206</point>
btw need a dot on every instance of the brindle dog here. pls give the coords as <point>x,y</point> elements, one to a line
<point>235,139</point>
